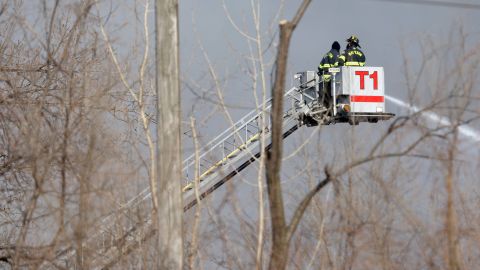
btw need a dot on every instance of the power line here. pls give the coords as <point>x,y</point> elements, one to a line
<point>434,3</point>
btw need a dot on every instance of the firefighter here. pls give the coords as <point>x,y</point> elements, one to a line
<point>329,60</point>
<point>352,56</point>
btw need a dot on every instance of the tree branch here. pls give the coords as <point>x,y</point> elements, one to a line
<point>300,12</point>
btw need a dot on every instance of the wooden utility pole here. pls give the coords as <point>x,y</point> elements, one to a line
<point>169,211</point>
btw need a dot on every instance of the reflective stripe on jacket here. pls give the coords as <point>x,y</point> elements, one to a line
<point>352,57</point>
<point>329,60</point>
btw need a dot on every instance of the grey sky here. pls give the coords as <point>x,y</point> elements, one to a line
<point>381,26</point>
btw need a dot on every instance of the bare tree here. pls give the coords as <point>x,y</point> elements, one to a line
<point>54,139</point>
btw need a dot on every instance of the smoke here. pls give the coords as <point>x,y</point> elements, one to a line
<point>466,130</point>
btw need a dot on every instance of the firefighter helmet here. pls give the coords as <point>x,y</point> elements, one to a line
<point>353,39</point>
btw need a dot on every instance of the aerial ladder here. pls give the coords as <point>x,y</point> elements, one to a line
<point>357,96</point>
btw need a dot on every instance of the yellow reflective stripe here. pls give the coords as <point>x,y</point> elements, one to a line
<point>326,77</point>
<point>325,65</point>
<point>354,63</point>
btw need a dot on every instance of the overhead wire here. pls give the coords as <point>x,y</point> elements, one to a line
<point>434,3</point>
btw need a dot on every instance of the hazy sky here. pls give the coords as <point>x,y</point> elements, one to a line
<point>382,27</point>
<point>387,31</point>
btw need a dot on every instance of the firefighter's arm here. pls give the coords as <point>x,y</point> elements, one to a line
<point>322,65</point>
<point>362,59</point>
<point>340,60</point>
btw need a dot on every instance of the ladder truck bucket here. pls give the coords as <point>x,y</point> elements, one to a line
<point>355,94</point>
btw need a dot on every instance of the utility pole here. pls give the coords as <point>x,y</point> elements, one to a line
<point>169,210</point>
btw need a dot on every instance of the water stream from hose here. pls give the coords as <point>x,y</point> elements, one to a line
<point>465,130</point>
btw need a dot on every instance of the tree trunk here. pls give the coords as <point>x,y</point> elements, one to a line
<point>450,217</point>
<point>274,157</point>
<point>280,234</point>
<point>169,212</point>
